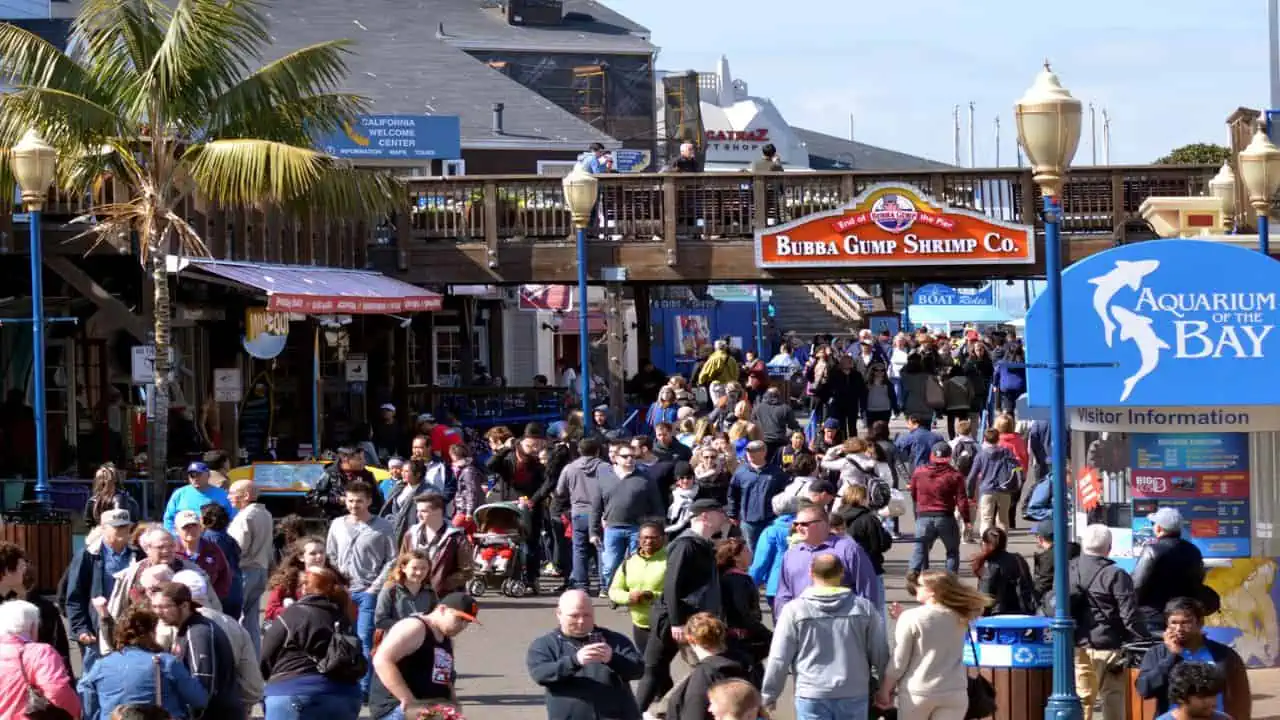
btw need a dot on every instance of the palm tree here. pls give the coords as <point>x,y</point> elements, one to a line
<point>166,97</point>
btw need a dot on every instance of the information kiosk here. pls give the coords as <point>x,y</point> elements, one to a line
<point>1173,395</point>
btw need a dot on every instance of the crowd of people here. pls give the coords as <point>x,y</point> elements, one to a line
<point>730,536</point>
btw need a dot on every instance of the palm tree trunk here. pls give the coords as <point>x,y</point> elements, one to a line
<point>158,450</point>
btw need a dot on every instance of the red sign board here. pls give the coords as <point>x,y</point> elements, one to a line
<point>894,225</point>
<point>758,135</point>
<point>344,305</point>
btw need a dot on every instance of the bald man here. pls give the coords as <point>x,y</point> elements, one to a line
<point>253,530</point>
<point>585,670</point>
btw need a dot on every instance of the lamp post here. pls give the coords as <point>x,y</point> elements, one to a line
<point>33,163</point>
<point>1049,131</point>
<point>580,192</point>
<point>1223,187</point>
<point>1260,170</point>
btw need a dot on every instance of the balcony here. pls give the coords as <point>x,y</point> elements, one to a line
<point>700,227</point>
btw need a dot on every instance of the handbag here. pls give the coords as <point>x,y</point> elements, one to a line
<point>982,694</point>
<point>38,706</point>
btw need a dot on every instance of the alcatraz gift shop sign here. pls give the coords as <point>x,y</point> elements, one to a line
<point>894,225</point>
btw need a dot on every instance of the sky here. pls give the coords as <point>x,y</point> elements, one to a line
<point>1169,72</point>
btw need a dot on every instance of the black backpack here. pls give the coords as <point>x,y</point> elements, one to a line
<point>962,459</point>
<point>343,660</point>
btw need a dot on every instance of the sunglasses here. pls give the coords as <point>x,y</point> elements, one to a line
<point>624,456</point>
<point>802,524</point>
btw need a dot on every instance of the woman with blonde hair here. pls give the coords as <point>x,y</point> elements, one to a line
<point>927,667</point>
<point>708,638</point>
<point>735,700</point>
<point>408,591</point>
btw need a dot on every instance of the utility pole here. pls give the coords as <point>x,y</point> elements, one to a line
<point>997,141</point>
<point>972,154</point>
<point>1093,134</point>
<point>850,127</point>
<point>1273,35</point>
<point>955,115</point>
<point>1106,137</point>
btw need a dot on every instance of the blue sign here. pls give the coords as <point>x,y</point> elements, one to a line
<point>1167,326</point>
<point>885,323</point>
<point>396,137</point>
<point>936,295</point>
<point>1010,641</point>
<point>631,161</point>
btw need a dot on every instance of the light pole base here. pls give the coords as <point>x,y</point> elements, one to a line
<point>1063,707</point>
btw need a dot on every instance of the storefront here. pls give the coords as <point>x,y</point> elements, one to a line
<point>945,309</point>
<point>1172,402</point>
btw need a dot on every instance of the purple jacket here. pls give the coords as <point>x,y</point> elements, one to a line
<point>859,574</point>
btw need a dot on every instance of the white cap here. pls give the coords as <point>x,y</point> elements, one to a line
<point>185,518</point>
<point>196,583</point>
<point>387,406</point>
<point>1166,518</point>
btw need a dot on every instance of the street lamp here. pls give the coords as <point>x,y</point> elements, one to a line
<point>1223,187</point>
<point>1049,131</point>
<point>580,193</point>
<point>33,161</point>
<point>1260,170</point>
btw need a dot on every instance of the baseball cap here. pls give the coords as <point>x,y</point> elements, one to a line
<point>195,583</point>
<point>1043,529</point>
<point>941,452</point>
<point>1166,518</point>
<point>347,451</point>
<point>756,446</point>
<point>197,468</point>
<point>601,408</point>
<point>387,406</point>
<point>394,463</point>
<point>185,518</point>
<point>462,605</point>
<point>426,417</point>
<point>116,518</point>
<point>683,469</point>
<point>705,505</point>
<point>831,424</point>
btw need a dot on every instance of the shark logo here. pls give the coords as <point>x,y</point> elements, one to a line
<point>1133,327</point>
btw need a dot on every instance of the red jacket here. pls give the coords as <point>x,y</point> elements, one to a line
<point>1018,447</point>
<point>938,489</point>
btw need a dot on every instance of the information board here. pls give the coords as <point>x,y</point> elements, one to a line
<point>279,477</point>
<point>1205,477</point>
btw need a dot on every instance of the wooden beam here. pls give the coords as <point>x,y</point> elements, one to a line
<point>71,273</point>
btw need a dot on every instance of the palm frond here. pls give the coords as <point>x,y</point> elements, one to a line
<point>297,122</point>
<point>347,191</point>
<point>28,59</point>
<point>245,172</point>
<point>63,118</point>
<point>206,48</point>
<point>190,244</point>
<point>121,33</point>
<point>312,71</point>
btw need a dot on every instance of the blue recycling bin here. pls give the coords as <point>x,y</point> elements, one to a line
<point>1015,653</point>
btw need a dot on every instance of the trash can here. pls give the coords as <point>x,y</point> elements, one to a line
<point>1138,708</point>
<point>1014,653</point>
<point>45,534</point>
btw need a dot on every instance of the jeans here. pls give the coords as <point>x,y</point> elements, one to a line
<point>930,528</point>
<point>618,541</point>
<point>297,707</point>
<point>89,654</point>
<point>880,601</point>
<point>255,584</point>
<point>751,532</point>
<point>582,551</point>
<point>640,636</point>
<point>366,602</point>
<point>832,708</point>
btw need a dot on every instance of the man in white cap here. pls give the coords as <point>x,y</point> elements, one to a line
<point>1168,568</point>
<point>92,575</point>
<point>253,529</point>
<point>388,437</point>
<point>248,674</point>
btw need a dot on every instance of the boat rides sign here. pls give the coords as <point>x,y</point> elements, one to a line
<point>1163,322</point>
<point>894,225</point>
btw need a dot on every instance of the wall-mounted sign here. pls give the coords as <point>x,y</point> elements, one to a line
<point>143,365</point>
<point>632,161</point>
<point>396,137</point>
<point>228,385</point>
<point>894,225</point>
<point>741,146</point>
<point>937,295</point>
<point>1165,330</point>
<point>1207,418</point>
<point>357,368</point>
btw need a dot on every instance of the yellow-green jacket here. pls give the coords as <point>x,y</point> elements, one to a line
<point>720,367</point>
<point>639,573</point>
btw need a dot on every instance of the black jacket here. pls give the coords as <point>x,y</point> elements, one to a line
<point>539,485</point>
<point>301,634</point>
<point>1042,575</point>
<point>849,393</point>
<point>207,653</point>
<point>596,691</point>
<point>328,492</point>
<point>1153,677</point>
<point>1007,579</point>
<point>85,581</point>
<point>691,584</point>
<point>741,599</point>
<point>1168,568</point>
<point>689,700</point>
<point>1106,605</point>
<point>865,528</point>
<point>776,420</point>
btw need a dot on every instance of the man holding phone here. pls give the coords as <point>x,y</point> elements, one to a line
<point>586,670</point>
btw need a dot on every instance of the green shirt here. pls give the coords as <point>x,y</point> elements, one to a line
<point>638,573</point>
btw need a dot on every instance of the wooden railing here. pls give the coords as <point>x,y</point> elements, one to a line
<point>656,207</point>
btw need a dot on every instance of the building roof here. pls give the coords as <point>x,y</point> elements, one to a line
<point>828,152</point>
<point>588,26</point>
<point>402,68</point>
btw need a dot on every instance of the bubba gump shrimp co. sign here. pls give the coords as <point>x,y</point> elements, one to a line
<point>894,225</point>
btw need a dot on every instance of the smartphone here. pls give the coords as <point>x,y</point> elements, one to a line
<point>595,637</point>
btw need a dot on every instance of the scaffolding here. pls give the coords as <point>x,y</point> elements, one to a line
<point>682,115</point>
<point>589,90</point>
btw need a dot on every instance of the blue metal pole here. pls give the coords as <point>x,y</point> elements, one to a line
<point>759,322</point>
<point>37,359</point>
<point>584,346</point>
<point>906,307</point>
<point>1064,703</point>
<point>1264,234</point>
<point>315,395</point>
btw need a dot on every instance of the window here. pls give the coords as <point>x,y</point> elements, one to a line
<point>455,167</point>
<point>447,367</point>
<point>555,168</point>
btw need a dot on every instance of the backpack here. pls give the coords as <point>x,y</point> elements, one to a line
<point>1009,478</point>
<point>962,457</point>
<point>343,660</point>
<point>934,397</point>
<point>878,493</point>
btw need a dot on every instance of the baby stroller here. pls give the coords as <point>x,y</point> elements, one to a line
<point>499,542</point>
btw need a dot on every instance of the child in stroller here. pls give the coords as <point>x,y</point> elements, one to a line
<point>499,543</point>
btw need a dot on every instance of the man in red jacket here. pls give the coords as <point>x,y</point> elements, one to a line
<point>937,489</point>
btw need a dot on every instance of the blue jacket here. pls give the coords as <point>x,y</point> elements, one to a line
<point>1010,379</point>
<point>766,566</point>
<point>1040,504</point>
<point>916,445</point>
<point>188,497</point>
<point>84,583</point>
<point>751,490</point>
<point>992,470</point>
<point>129,676</point>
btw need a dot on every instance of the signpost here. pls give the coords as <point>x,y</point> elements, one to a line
<point>144,363</point>
<point>227,385</point>
<point>396,137</point>
<point>357,368</point>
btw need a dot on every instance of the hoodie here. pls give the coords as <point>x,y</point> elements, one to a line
<point>992,471</point>
<point>580,483</point>
<point>766,563</point>
<point>938,489</point>
<point>832,640</point>
<point>776,420</point>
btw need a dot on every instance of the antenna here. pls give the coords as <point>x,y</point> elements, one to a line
<point>1106,137</point>
<point>972,153</point>
<point>997,141</point>
<point>1093,134</point>
<point>850,127</point>
<point>955,114</point>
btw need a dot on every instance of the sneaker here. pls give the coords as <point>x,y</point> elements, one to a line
<point>913,579</point>
<point>604,594</point>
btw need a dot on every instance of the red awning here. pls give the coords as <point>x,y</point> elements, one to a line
<point>325,291</point>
